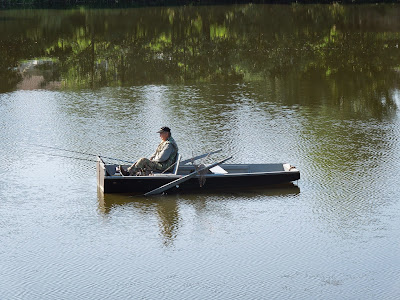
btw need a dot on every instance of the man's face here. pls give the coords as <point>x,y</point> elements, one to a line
<point>164,135</point>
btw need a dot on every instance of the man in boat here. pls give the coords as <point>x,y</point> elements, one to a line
<point>162,159</point>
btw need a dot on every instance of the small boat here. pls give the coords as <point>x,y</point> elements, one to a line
<point>186,177</point>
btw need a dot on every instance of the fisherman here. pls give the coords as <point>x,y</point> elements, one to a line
<point>162,159</point>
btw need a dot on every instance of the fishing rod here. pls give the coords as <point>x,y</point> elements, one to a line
<point>58,155</point>
<point>84,153</point>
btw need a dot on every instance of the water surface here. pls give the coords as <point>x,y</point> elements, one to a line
<point>314,86</point>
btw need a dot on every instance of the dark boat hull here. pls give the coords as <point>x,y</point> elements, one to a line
<point>142,184</point>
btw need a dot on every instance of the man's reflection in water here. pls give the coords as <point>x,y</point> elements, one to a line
<point>166,208</point>
<point>166,211</point>
<point>168,216</point>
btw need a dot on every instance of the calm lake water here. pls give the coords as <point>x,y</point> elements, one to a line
<point>316,86</point>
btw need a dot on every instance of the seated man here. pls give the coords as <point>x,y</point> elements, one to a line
<point>162,159</point>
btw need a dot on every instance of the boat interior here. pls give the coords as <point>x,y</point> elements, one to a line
<point>183,170</point>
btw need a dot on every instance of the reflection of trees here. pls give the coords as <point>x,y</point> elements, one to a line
<point>209,44</point>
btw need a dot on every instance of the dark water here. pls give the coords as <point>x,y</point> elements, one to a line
<point>312,85</point>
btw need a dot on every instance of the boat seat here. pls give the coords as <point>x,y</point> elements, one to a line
<point>171,170</point>
<point>218,170</point>
<point>176,167</point>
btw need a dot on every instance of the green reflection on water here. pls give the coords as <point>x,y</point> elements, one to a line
<point>202,44</point>
<point>346,55</point>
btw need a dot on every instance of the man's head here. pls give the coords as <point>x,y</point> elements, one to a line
<point>165,133</point>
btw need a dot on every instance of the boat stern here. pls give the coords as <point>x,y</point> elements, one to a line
<point>101,172</point>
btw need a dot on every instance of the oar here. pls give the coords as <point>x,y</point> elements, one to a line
<point>167,186</point>
<point>85,153</point>
<point>184,162</point>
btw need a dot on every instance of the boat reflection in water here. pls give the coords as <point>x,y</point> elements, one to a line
<point>166,208</point>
